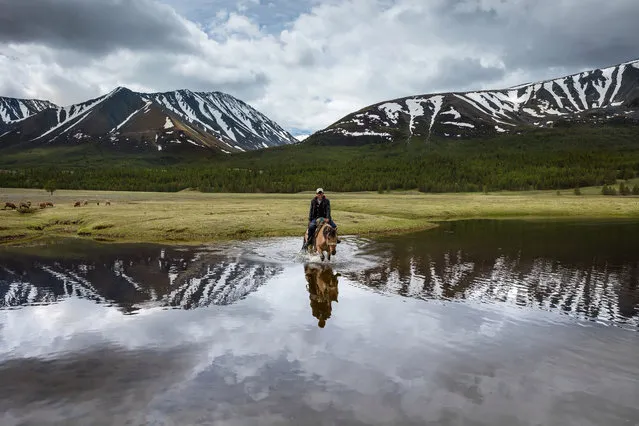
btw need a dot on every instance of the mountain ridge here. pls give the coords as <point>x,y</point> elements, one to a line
<point>161,120</point>
<point>583,96</point>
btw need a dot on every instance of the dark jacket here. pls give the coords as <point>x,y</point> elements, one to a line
<point>322,209</point>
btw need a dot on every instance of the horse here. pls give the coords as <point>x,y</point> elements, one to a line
<point>43,205</point>
<point>9,205</point>
<point>321,284</point>
<point>325,239</point>
<point>77,204</point>
<point>49,204</point>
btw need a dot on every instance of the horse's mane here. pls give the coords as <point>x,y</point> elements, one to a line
<point>328,230</point>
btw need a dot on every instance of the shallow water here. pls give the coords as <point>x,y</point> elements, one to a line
<point>478,322</point>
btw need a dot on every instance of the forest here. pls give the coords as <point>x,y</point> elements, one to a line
<point>559,158</point>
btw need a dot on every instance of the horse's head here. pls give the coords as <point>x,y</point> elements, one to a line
<point>330,234</point>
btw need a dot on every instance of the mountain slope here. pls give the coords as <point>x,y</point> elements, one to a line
<point>12,110</point>
<point>124,118</point>
<point>594,96</point>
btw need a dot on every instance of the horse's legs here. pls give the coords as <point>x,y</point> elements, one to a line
<point>328,255</point>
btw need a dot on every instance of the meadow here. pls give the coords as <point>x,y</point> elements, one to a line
<point>192,217</point>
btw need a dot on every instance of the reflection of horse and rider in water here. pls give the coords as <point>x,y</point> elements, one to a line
<point>321,284</point>
<point>321,235</point>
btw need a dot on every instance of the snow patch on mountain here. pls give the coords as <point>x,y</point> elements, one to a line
<point>436,102</point>
<point>455,123</point>
<point>452,111</point>
<point>392,110</point>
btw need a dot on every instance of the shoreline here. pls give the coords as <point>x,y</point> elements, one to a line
<point>194,218</point>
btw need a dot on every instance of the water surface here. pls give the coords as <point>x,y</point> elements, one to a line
<point>478,322</point>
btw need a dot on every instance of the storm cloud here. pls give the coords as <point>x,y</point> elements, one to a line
<point>94,26</point>
<point>304,63</point>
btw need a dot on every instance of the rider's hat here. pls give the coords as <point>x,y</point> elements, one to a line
<point>318,190</point>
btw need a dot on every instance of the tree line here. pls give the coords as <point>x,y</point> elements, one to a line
<point>555,159</point>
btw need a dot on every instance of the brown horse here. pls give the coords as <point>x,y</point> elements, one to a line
<point>325,240</point>
<point>9,205</point>
<point>43,205</point>
<point>49,204</point>
<point>321,284</point>
<point>77,204</point>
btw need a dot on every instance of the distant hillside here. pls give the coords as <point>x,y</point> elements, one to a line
<point>594,97</point>
<point>157,121</point>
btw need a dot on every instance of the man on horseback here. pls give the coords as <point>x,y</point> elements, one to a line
<point>320,207</point>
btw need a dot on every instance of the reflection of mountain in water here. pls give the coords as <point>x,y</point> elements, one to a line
<point>132,279</point>
<point>584,271</point>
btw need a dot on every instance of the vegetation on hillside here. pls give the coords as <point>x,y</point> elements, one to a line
<point>560,158</point>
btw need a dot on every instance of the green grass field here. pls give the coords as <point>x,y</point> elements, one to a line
<point>191,217</point>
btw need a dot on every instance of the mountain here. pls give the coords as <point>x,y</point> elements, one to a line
<point>13,110</point>
<point>158,121</point>
<point>591,96</point>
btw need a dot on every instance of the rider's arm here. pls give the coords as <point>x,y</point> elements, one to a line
<point>328,209</point>
<point>310,212</point>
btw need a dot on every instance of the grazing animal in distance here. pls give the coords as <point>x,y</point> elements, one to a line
<point>24,205</point>
<point>9,205</point>
<point>77,204</point>
<point>49,204</point>
<point>85,203</point>
<point>43,205</point>
<point>98,203</point>
<point>108,203</point>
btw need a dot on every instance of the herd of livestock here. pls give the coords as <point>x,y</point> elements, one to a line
<point>26,205</point>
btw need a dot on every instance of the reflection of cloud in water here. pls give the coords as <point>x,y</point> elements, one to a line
<point>106,380</point>
<point>378,360</point>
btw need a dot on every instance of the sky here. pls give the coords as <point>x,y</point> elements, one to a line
<point>304,63</point>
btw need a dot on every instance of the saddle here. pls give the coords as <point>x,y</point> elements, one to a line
<point>318,222</point>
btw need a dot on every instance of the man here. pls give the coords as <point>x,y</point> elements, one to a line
<point>320,207</point>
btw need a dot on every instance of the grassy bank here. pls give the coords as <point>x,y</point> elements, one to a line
<point>193,217</point>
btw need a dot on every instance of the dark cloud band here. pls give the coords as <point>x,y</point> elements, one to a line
<point>93,26</point>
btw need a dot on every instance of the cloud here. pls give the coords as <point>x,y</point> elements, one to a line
<point>304,64</point>
<point>94,26</point>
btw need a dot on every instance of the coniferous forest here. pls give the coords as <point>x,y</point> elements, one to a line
<point>558,158</point>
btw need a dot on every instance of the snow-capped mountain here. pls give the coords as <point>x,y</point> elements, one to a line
<point>596,95</point>
<point>12,110</point>
<point>155,120</point>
